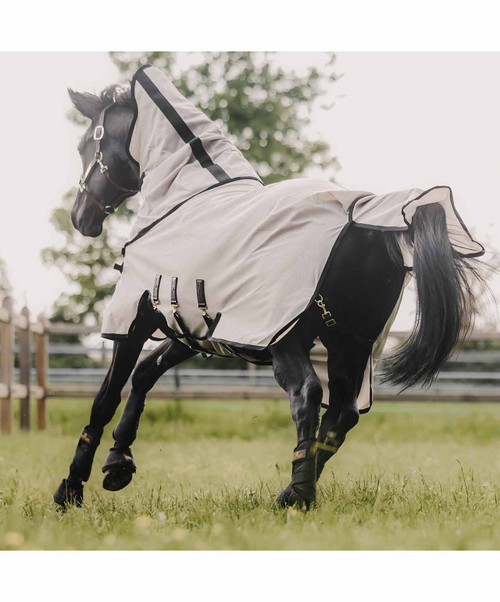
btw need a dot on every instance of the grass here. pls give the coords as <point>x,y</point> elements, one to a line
<point>410,476</point>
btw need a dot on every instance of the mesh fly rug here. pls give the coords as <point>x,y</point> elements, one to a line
<point>231,263</point>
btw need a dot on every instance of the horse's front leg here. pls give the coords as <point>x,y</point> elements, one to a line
<point>125,354</point>
<point>294,373</point>
<point>120,466</point>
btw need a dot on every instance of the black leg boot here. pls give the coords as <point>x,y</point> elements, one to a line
<point>302,489</point>
<point>70,491</point>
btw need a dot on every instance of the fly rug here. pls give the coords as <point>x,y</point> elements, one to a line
<point>220,264</point>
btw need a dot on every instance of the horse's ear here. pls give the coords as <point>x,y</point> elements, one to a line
<point>88,104</point>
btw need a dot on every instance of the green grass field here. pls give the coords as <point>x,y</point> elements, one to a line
<point>410,476</point>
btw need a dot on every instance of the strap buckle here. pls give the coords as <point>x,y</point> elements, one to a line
<point>99,132</point>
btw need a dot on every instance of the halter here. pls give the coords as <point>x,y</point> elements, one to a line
<point>103,168</point>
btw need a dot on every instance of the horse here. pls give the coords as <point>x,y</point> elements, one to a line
<point>363,283</point>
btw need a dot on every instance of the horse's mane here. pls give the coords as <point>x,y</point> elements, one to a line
<point>88,104</point>
<point>116,94</point>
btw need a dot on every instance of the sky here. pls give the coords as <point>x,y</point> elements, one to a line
<point>399,120</point>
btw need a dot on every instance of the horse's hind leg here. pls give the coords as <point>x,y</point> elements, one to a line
<point>347,360</point>
<point>294,373</point>
<point>125,354</point>
<point>119,466</point>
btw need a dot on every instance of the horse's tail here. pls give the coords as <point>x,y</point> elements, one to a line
<point>445,303</point>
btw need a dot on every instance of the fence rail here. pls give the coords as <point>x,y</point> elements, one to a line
<point>470,375</point>
<point>26,374</point>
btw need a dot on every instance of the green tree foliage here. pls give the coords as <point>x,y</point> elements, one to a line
<point>259,105</point>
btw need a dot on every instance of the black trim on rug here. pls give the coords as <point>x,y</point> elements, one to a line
<point>381,228</point>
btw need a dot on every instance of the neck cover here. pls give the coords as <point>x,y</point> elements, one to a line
<point>180,151</point>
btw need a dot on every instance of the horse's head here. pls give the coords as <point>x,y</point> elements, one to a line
<point>110,175</point>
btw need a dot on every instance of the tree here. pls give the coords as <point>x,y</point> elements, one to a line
<point>262,108</point>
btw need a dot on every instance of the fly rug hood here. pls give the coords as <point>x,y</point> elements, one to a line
<point>227,266</point>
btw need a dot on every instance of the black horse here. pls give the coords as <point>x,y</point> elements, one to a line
<point>363,284</point>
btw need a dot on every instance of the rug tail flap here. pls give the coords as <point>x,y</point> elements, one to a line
<point>395,211</point>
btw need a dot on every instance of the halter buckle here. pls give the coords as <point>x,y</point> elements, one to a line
<point>98,158</point>
<point>99,132</point>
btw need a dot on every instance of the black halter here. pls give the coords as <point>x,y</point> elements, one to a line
<point>103,168</point>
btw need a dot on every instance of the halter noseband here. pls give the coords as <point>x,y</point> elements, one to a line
<point>97,161</point>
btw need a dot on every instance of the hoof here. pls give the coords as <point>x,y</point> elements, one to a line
<point>283,499</point>
<point>68,495</point>
<point>290,497</point>
<point>118,470</point>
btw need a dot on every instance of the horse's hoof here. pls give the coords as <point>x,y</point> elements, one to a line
<point>289,497</point>
<point>118,470</point>
<point>68,495</point>
<point>283,499</point>
<point>302,503</point>
<point>292,497</point>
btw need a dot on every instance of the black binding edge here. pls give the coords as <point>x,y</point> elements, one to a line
<point>408,224</point>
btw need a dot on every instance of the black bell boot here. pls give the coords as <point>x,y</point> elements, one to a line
<point>70,491</point>
<point>118,468</point>
<point>302,489</point>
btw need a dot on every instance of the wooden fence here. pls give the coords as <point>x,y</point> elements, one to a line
<point>472,375</point>
<point>32,339</point>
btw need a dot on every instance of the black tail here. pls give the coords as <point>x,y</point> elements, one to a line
<point>445,303</point>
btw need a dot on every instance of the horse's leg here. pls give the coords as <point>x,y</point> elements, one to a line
<point>360,290</point>
<point>347,360</point>
<point>125,354</point>
<point>294,373</point>
<point>120,466</point>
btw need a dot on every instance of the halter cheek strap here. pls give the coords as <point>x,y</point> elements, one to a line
<point>98,161</point>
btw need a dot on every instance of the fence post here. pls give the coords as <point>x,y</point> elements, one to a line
<point>7,334</point>
<point>24,338</point>
<point>42,345</point>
